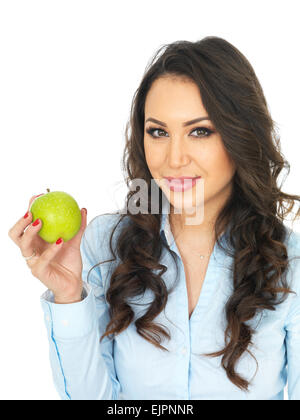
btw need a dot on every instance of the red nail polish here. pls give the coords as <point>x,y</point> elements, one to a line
<point>26,215</point>
<point>36,222</point>
<point>59,241</point>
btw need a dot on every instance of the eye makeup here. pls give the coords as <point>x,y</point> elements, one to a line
<point>208,132</point>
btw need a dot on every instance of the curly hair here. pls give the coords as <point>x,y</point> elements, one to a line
<point>235,102</point>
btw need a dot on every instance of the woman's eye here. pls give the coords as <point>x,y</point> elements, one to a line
<point>205,131</point>
<point>152,130</point>
<point>202,132</point>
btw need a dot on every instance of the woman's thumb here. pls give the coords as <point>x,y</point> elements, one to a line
<point>83,221</point>
<point>84,216</point>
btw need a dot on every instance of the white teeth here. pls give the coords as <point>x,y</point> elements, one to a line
<point>179,181</point>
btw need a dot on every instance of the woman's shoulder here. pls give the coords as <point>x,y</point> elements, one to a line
<point>104,221</point>
<point>99,229</point>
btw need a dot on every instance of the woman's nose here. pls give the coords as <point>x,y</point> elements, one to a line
<point>178,155</point>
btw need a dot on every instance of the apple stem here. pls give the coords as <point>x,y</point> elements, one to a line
<point>48,190</point>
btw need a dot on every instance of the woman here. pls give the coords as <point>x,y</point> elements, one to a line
<point>199,302</point>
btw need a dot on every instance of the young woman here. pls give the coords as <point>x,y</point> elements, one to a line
<point>147,305</point>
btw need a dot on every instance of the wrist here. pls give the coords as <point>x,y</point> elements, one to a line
<point>78,297</point>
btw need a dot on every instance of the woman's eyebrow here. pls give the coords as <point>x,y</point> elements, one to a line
<point>184,124</point>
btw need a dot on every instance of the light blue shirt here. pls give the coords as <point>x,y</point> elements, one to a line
<point>131,368</point>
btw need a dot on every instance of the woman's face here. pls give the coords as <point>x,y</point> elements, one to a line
<point>177,150</point>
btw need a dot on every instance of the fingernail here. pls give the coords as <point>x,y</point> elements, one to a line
<point>59,241</point>
<point>84,209</point>
<point>39,195</point>
<point>26,215</point>
<point>36,222</point>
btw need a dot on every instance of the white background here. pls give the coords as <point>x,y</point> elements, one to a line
<point>68,72</point>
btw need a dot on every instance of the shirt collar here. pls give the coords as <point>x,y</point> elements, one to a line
<point>166,229</point>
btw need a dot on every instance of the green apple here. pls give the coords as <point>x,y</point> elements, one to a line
<point>60,216</point>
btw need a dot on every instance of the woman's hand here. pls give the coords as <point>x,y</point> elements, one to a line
<point>57,266</point>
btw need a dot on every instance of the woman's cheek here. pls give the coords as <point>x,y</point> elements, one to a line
<point>154,156</point>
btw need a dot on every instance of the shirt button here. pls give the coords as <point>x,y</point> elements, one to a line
<point>183,350</point>
<point>48,318</point>
<point>65,322</point>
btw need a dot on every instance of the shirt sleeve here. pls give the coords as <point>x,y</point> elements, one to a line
<point>82,367</point>
<point>292,339</point>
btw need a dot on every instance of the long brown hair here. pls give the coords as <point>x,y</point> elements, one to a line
<point>235,102</point>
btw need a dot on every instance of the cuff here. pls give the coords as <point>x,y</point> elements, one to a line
<point>71,320</point>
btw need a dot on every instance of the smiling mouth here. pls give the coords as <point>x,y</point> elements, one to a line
<point>181,178</point>
<point>181,184</point>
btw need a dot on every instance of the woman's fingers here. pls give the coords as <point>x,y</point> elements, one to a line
<point>17,231</point>
<point>39,266</point>
<point>26,240</point>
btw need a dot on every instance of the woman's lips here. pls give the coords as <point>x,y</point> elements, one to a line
<point>181,184</point>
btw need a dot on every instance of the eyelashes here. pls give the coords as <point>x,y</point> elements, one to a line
<point>207,131</point>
